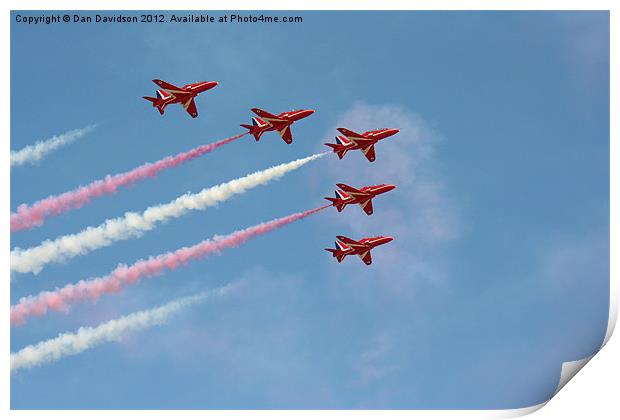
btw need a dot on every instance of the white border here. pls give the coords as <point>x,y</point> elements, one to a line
<point>569,369</point>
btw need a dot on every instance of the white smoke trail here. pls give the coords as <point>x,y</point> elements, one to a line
<point>132,224</point>
<point>37,151</point>
<point>68,344</point>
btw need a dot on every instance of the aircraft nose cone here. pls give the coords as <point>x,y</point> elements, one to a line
<point>387,239</point>
<point>389,187</point>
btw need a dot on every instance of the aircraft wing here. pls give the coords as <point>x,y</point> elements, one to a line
<point>366,257</point>
<point>168,86</point>
<point>348,190</point>
<point>367,206</point>
<point>190,107</point>
<point>369,152</point>
<point>285,133</point>
<point>347,241</point>
<point>350,134</point>
<point>273,119</point>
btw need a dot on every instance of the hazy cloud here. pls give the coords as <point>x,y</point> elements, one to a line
<point>419,213</point>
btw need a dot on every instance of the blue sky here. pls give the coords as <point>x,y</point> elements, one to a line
<point>500,267</point>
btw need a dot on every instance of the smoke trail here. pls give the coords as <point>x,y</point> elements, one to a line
<point>123,275</point>
<point>134,224</point>
<point>37,151</point>
<point>69,344</point>
<point>28,216</point>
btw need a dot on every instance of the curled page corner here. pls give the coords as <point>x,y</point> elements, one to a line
<point>519,412</point>
<point>613,311</point>
<point>570,369</point>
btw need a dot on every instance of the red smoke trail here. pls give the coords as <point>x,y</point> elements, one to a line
<point>123,275</point>
<point>27,217</point>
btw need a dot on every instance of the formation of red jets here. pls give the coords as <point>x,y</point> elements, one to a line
<point>281,123</point>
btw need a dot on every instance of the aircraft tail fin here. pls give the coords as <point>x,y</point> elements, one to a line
<point>342,140</point>
<point>336,253</point>
<point>157,103</point>
<point>254,130</point>
<point>336,202</point>
<point>339,149</point>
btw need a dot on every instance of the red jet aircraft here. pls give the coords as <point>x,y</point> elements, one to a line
<point>170,94</point>
<point>350,140</point>
<point>349,195</point>
<point>280,123</point>
<point>347,246</point>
